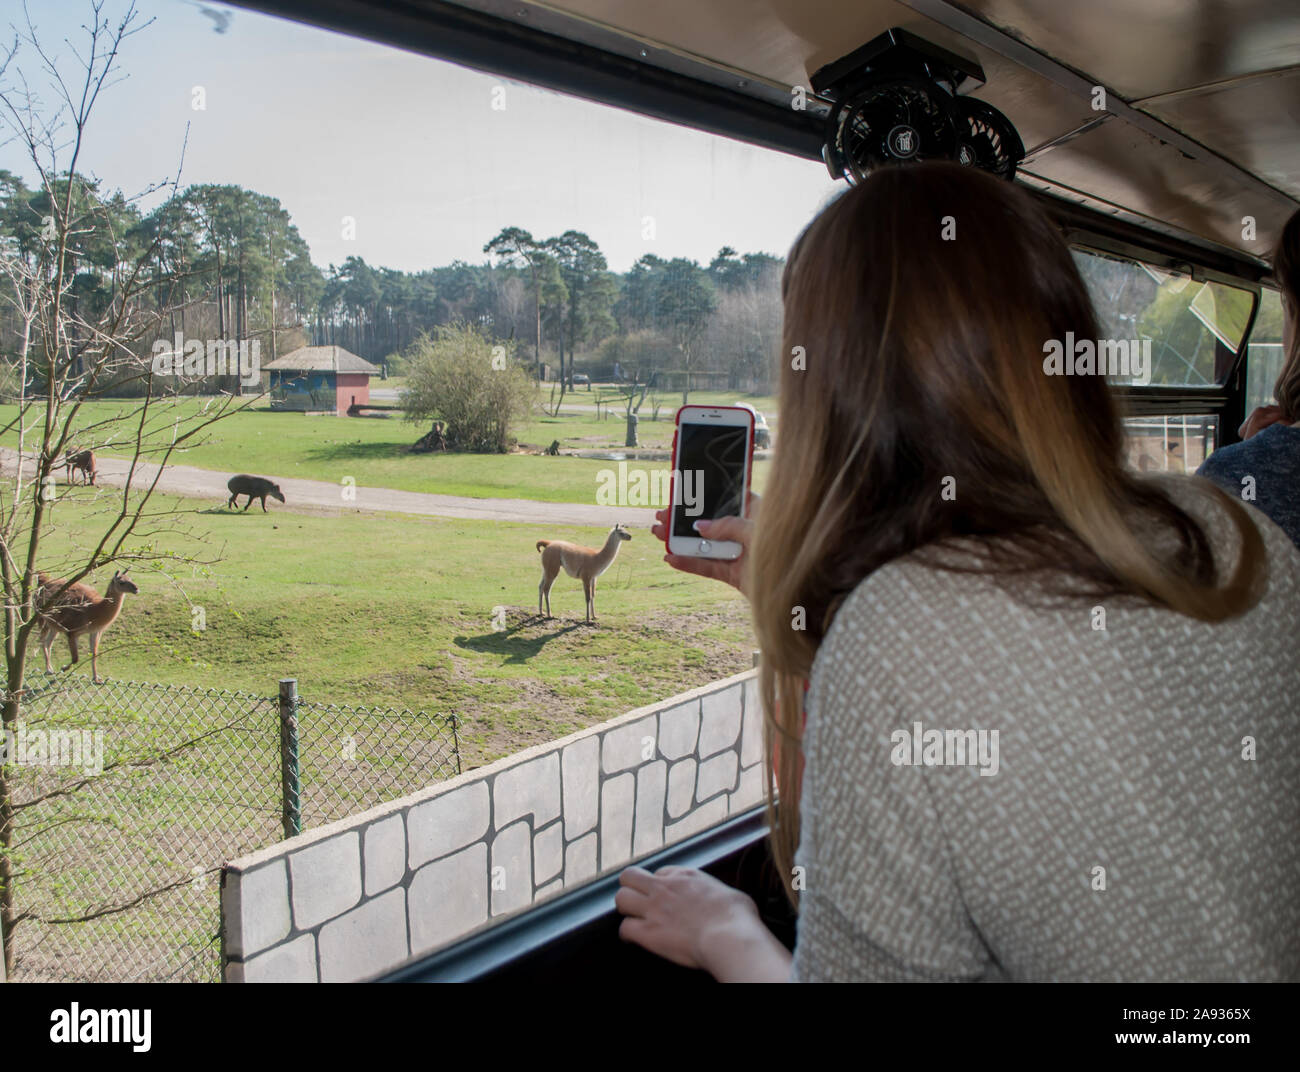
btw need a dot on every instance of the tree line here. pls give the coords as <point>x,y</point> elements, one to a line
<point>224,262</point>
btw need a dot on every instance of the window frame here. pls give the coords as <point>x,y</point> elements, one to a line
<point>684,91</point>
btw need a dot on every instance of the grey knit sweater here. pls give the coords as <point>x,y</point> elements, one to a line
<point>1136,817</point>
<point>1265,470</point>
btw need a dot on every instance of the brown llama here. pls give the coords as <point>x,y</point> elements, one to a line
<point>587,563</point>
<point>79,610</point>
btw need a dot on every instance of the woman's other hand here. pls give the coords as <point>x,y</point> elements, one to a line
<point>696,921</point>
<point>1260,418</point>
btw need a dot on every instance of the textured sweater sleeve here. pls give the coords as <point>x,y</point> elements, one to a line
<point>881,900</point>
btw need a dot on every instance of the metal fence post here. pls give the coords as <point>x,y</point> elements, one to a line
<point>290,782</point>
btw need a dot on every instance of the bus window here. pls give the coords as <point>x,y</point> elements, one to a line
<point>1264,351</point>
<point>1189,332</point>
<point>1173,444</point>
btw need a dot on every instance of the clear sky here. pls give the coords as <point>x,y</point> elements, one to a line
<point>411,148</point>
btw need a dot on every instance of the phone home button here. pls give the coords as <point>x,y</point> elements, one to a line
<point>705,547</point>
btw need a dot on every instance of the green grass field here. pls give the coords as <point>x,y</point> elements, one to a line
<point>375,452</point>
<point>763,403</point>
<point>582,431</point>
<point>398,611</point>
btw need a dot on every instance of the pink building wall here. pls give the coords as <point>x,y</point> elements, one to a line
<point>348,386</point>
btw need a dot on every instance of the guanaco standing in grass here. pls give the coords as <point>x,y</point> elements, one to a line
<point>586,563</point>
<point>79,610</point>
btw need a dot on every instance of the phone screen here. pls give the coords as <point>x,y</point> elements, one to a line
<point>711,463</point>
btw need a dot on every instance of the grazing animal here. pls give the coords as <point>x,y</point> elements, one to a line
<point>82,461</point>
<point>79,610</point>
<point>584,562</point>
<point>255,487</point>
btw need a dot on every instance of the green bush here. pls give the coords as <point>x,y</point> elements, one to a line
<point>459,375</point>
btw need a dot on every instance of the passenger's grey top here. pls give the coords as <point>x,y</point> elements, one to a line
<point>1144,820</point>
<point>1267,466</point>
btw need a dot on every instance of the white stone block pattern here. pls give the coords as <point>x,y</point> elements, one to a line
<point>548,853</point>
<point>581,786</point>
<point>293,962</point>
<point>326,879</point>
<point>625,746</point>
<point>512,869</point>
<point>446,823</point>
<point>679,729</point>
<point>385,854</point>
<point>532,788</point>
<point>616,798</point>
<point>367,940</point>
<point>448,898</point>
<point>259,902</point>
<point>749,790</point>
<point>648,829</point>
<point>751,734</point>
<point>716,775</point>
<point>681,787</point>
<point>580,860</point>
<point>701,818</point>
<point>719,721</point>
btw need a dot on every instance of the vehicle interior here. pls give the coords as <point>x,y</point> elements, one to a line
<point>1163,138</point>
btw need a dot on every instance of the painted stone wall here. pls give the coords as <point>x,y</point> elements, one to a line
<point>355,898</point>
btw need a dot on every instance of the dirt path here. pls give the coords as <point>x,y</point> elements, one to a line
<point>317,496</point>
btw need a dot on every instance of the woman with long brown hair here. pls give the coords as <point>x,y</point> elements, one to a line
<point>1017,737</point>
<point>1264,468</point>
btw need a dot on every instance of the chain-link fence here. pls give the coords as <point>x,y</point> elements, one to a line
<point>128,797</point>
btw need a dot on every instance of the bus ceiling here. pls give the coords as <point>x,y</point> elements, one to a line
<point>1173,122</point>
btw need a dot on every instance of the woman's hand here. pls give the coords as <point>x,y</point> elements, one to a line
<point>736,529</point>
<point>696,921</point>
<point>1260,418</point>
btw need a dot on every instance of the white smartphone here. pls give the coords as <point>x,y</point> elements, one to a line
<point>713,451</point>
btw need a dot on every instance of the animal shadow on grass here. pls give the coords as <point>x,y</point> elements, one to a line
<point>518,649</point>
<point>228,511</point>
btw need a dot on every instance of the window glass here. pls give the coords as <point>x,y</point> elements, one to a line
<point>1264,351</point>
<point>1166,444</point>
<point>1187,332</point>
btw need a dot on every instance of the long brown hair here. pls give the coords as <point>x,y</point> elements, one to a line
<point>922,300</point>
<point>1286,269</point>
